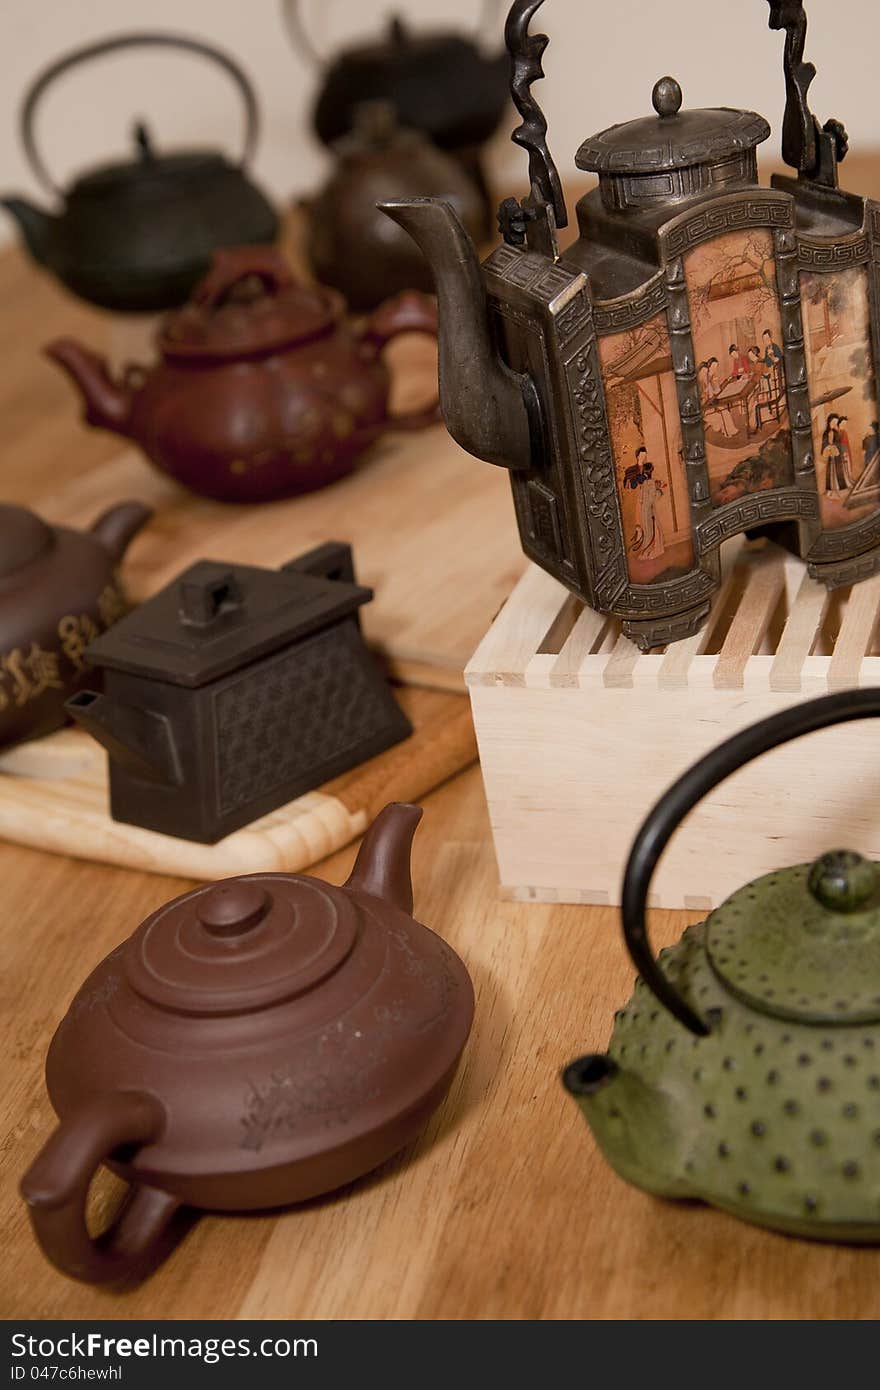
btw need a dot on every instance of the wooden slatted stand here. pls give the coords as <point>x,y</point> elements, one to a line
<point>579,733</point>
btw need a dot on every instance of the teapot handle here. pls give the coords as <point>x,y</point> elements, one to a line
<point>233,264</point>
<point>302,39</point>
<point>408,312</point>
<point>56,1188</point>
<point>112,45</point>
<point>681,798</point>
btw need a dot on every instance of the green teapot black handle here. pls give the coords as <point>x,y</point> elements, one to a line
<point>302,39</point>
<point>112,45</point>
<point>683,796</point>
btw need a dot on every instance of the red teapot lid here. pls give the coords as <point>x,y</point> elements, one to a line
<point>249,303</point>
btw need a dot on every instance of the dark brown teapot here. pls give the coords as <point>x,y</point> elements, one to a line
<point>138,235</point>
<point>439,82</point>
<point>350,245</point>
<point>256,1042</point>
<point>58,591</point>
<point>265,387</point>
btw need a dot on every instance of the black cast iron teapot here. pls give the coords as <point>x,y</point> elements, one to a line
<point>138,235</point>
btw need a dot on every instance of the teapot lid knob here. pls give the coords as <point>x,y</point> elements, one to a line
<point>232,909</point>
<point>667,97</point>
<point>843,881</point>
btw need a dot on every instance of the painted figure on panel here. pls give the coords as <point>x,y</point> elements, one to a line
<point>843,393</point>
<point>642,404</point>
<point>735,319</point>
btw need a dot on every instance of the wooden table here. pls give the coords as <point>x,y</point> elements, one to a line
<point>505,1208</point>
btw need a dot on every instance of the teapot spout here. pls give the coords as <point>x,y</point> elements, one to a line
<point>117,527</point>
<point>382,867</point>
<point>137,739</point>
<point>636,1125</point>
<point>490,410</point>
<point>34,224</point>
<point>106,404</point>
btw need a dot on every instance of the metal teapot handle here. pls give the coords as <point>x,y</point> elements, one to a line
<point>302,39</point>
<point>112,45</point>
<point>681,798</point>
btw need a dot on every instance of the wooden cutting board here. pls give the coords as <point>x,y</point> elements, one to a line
<point>53,796</point>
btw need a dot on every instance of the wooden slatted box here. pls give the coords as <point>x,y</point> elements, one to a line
<point>579,733</point>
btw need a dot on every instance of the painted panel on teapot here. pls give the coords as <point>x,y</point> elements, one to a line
<point>737,336</point>
<point>642,406</point>
<point>843,393</point>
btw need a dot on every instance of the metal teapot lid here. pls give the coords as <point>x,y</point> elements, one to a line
<point>804,943</point>
<point>242,944</point>
<point>116,176</point>
<point>673,139</point>
<point>24,537</point>
<point>249,303</point>
<point>152,173</point>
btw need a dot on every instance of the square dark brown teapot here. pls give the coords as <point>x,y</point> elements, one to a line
<point>234,690</point>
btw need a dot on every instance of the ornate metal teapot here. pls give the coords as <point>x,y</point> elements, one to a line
<point>700,362</point>
<point>255,1042</point>
<point>751,1078</point>
<point>138,235</point>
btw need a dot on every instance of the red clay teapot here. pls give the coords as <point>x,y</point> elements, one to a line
<point>265,387</point>
<point>256,1042</point>
<point>58,590</point>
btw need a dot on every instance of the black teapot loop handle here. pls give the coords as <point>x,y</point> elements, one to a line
<point>683,796</point>
<point>302,39</point>
<point>112,45</point>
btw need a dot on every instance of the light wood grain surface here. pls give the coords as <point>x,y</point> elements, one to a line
<point>505,1208</point>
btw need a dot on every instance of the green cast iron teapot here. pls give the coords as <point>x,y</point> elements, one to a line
<point>745,1069</point>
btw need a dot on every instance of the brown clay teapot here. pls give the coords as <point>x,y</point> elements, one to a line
<point>349,242</point>
<point>265,387</point>
<point>256,1042</point>
<point>58,591</point>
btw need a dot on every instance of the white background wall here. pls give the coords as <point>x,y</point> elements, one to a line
<point>602,62</point>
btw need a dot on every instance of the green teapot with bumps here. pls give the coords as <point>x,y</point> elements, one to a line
<point>745,1069</point>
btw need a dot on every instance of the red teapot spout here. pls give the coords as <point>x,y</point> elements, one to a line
<point>106,403</point>
<point>382,867</point>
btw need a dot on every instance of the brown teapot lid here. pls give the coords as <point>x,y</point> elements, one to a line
<point>24,537</point>
<point>241,945</point>
<point>216,617</point>
<point>249,303</point>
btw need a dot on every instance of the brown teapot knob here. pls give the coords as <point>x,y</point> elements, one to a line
<point>232,909</point>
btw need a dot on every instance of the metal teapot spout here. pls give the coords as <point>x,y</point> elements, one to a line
<point>635,1124</point>
<point>107,404</point>
<point>489,410</point>
<point>138,739</point>
<point>35,227</point>
<point>382,867</point>
<point>117,527</point>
